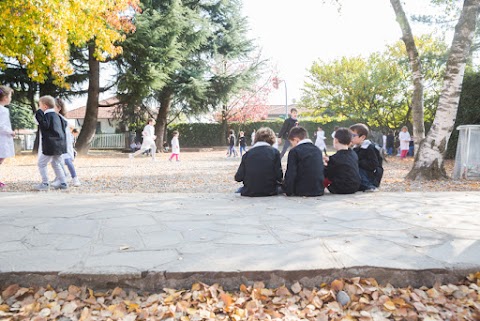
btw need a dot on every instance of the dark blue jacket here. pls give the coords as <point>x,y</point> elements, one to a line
<point>342,170</point>
<point>304,174</point>
<point>260,171</point>
<point>52,127</point>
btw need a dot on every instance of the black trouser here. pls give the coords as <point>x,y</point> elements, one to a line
<point>286,145</point>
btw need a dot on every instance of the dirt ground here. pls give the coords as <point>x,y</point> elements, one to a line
<point>197,172</point>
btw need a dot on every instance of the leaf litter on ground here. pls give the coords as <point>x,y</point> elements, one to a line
<point>368,301</point>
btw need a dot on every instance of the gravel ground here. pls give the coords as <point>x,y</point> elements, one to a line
<point>197,172</point>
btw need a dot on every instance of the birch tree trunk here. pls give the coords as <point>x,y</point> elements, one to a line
<point>429,160</point>
<point>417,73</point>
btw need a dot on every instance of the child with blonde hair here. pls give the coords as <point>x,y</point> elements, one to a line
<point>175,146</point>
<point>53,140</point>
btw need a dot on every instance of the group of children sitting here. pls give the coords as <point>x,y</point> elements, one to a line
<point>308,172</point>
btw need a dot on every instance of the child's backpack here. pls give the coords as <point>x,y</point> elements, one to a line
<point>379,170</point>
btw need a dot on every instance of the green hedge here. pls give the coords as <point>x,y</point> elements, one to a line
<point>207,135</point>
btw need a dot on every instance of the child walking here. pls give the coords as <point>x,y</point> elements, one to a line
<point>231,144</point>
<point>175,146</point>
<point>7,148</point>
<point>304,174</point>
<point>242,143</point>
<point>54,143</point>
<point>69,156</point>
<point>149,137</point>
<point>341,173</point>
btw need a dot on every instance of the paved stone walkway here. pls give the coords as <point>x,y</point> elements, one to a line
<point>172,239</point>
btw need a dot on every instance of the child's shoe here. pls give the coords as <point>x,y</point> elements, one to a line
<point>76,181</point>
<point>42,187</point>
<point>56,183</point>
<point>62,186</point>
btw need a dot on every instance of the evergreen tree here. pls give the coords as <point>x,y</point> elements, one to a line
<point>168,60</point>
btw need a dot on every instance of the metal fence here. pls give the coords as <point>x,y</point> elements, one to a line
<point>109,141</point>
<point>100,141</point>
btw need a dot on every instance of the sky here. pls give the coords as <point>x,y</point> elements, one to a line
<point>293,34</point>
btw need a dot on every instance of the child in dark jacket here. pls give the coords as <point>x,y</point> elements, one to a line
<point>260,169</point>
<point>368,162</point>
<point>341,173</point>
<point>304,174</point>
<point>53,142</point>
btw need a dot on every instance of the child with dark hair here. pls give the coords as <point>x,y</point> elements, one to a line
<point>288,124</point>
<point>341,173</point>
<point>231,144</point>
<point>369,165</point>
<point>304,174</point>
<point>261,168</point>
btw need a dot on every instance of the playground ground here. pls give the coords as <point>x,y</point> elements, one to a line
<point>197,172</point>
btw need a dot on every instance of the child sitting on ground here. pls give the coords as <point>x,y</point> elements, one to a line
<point>368,162</point>
<point>304,174</point>
<point>341,173</point>
<point>261,168</point>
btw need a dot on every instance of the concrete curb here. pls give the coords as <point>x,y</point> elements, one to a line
<point>231,281</point>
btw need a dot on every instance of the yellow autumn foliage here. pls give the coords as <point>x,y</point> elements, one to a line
<point>38,33</point>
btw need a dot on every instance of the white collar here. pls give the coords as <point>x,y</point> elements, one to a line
<point>258,144</point>
<point>49,110</point>
<point>364,144</point>
<point>305,141</point>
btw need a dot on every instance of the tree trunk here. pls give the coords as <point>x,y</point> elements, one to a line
<point>429,160</point>
<point>165,99</point>
<point>418,120</point>
<point>225,124</point>
<point>90,122</point>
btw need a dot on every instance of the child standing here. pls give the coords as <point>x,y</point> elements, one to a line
<point>368,163</point>
<point>175,146</point>
<point>341,173</point>
<point>54,143</point>
<point>149,137</point>
<point>304,174</point>
<point>242,143</point>
<point>261,168</point>
<point>404,138</point>
<point>7,147</point>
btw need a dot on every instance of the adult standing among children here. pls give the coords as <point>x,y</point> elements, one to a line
<point>149,137</point>
<point>288,124</point>
<point>320,140</point>
<point>404,138</point>
<point>7,147</point>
